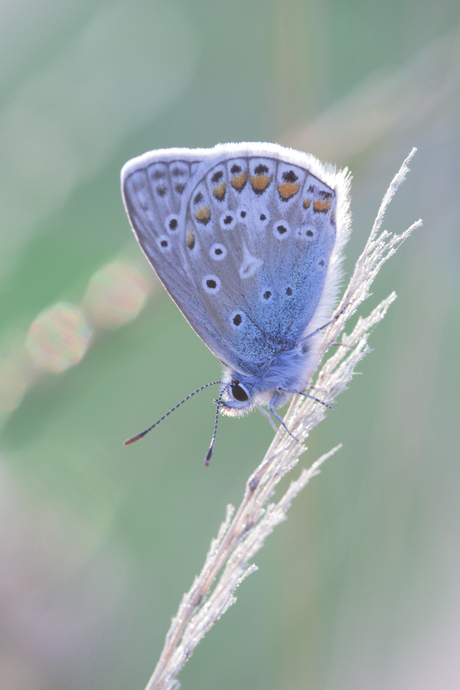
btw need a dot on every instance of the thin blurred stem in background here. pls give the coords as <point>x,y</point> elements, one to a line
<point>243,532</point>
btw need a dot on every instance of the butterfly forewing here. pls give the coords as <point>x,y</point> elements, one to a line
<point>154,188</point>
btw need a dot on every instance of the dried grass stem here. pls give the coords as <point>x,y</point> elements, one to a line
<point>243,532</point>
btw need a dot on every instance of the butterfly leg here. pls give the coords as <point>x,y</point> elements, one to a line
<point>312,397</point>
<point>267,416</point>
<point>281,421</point>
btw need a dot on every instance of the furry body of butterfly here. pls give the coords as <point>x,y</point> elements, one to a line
<point>247,239</point>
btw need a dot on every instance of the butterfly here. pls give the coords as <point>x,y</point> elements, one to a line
<point>247,239</point>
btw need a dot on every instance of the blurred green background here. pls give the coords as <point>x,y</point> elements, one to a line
<point>360,587</point>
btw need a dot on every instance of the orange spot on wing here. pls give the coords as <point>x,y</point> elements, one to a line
<point>190,239</point>
<point>219,191</point>
<point>238,181</point>
<point>306,203</point>
<point>203,214</point>
<point>288,189</point>
<point>333,217</point>
<point>321,206</point>
<point>260,183</point>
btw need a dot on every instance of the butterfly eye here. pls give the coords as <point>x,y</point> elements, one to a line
<point>239,392</point>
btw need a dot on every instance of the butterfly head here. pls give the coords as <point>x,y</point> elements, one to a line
<point>236,395</point>
<point>238,398</point>
<point>241,394</point>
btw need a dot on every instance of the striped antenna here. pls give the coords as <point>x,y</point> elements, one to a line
<point>143,433</point>
<point>207,459</point>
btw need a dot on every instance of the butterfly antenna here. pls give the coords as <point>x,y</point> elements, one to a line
<point>207,459</point>
<point>143,433</point>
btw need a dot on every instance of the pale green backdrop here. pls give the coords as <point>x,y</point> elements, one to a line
<point>359,589</point>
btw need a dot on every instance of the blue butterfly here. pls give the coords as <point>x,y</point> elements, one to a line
<point>247,239</point>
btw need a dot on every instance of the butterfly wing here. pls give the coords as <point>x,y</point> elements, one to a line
<point>154,190</point>
<point>264,228</point>
<point>247,242</point>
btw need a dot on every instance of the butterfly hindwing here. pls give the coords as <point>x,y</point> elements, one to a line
<point>260,234</point>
